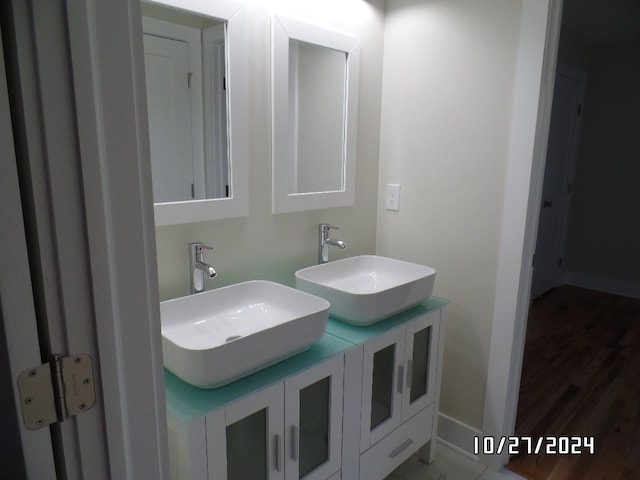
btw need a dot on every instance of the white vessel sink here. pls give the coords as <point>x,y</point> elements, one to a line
<point>212,338</point>
<point>366,289</point>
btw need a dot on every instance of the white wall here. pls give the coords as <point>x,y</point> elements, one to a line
<point>448,79</point>
<point>266,246</point>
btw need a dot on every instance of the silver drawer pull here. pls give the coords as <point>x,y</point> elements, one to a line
<point>278,452</point>
<point>400,378</point>
<point>294,442</point>
<point>401,448</point>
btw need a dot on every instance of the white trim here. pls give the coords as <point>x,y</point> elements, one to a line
<point>112,136</point>
<point>533,95</point>
<point>601,283</point>
<point>457,435</point>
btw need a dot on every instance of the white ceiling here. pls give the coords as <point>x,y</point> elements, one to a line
<point>603,21</point>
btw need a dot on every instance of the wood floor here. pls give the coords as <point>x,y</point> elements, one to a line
<point>581,377</point>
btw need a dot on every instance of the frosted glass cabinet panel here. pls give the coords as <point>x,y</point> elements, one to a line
<point>384,362</point>
<point>396,382</point>
<point>314,430</point>
<point>248,435</point>
<point>313,419</point>
<point>419,366</point>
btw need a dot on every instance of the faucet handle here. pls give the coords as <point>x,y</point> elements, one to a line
<point>327,227</point>
<point>199,247</point>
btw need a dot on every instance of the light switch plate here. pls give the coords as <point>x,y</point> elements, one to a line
<point>392,198</point>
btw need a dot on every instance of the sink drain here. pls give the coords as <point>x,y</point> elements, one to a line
<point>232,338</point>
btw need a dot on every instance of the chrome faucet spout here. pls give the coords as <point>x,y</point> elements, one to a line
<point>337,243</point>
<point>206,268</point>
<point>325,241</point>
<point>198,268</point>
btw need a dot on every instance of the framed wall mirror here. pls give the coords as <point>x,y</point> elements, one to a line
<point>315,95</point>
<point>195,65</point>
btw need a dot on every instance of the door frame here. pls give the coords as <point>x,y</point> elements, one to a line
<point>82,149</point>
<point>531,118</point>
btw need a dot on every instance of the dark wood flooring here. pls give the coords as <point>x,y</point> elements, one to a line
<point>581,377</point>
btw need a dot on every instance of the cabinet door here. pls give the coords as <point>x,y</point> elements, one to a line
<point>382,374</point>
<point>247,441</point>
<point>421,349</point>
<point>313,421</point>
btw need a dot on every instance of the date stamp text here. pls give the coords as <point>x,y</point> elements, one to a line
<point>546,445</point>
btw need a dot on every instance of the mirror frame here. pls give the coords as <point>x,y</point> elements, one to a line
<point>283,30</point>
<point>173,213</point>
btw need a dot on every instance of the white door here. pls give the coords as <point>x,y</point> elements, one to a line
<point>30,455</point>
<point>168,103</point>
<point>561,151</point>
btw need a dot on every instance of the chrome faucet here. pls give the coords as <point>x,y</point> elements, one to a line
<point>197,266</point>
<point>325,241</point>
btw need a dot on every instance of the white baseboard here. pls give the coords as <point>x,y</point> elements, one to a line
<point>457,435</point>
<point>603,284</point>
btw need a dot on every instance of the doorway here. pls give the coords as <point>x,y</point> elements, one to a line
<point>564,134</point>
<point>603,39</point>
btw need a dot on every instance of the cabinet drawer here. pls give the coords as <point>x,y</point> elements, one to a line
<point>382,458</point>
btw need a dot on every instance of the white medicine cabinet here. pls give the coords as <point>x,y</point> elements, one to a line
<point>315,101</point>
<point>195,63</point>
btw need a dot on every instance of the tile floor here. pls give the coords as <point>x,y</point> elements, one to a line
<point>448,465</point>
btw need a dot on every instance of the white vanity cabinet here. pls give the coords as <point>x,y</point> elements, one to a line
<point>355,405</point>
<point>289,431</point>
<point>396,381</point>
<point>282,423</point>
<point>392,379</point>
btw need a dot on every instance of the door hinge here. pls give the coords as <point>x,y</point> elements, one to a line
<point>189,75</point>
<point>57,390</point>
<point>560,262</point>
<point>579,112</point>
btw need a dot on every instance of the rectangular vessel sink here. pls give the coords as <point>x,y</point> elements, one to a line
<point>212,338</point>
<point>366,289</point>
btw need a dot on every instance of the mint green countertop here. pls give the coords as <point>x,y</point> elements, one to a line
<point>186,402</point>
